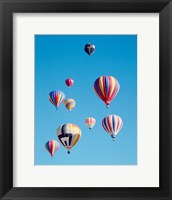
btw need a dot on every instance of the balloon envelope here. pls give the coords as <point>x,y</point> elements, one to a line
<point>69,82</point>
<point>112,124</point>
<point>52,146</point>
<point>89,48</point>
<point>69,104</point>
<point>69,135</point>
<point>106,88</point>
<point>56,98</point>
<point>90,122</point>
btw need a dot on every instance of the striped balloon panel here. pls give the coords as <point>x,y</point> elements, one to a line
<point>70,104</point>
<point>112,124</point>
<point>68,134</point>
<point>52,146</point>
<point>56,98</point>
<point>90,122</point>
<point>106,88</point>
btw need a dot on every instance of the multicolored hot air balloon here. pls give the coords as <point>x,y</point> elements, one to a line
<point>69,104</point>
<point>90,122</point>
<point>112,125</point>
<point>68,135</point>
<point>52,146</point>
<point>106,88</point>
<point>89,48</point>
<point>56,98</point>
<point>69,82</point>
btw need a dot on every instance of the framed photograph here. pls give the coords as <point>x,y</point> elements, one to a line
<point>85,99</point>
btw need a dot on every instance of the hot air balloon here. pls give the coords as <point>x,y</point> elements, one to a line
<point>69,82</point>
<point>52,146</point>
<point>69,104</point>
<point>90,122</point>
<point>112,125</point>
<point>68,135</point>
<point>89,48</point>
<point>106,88</point>
<point>56,98</point>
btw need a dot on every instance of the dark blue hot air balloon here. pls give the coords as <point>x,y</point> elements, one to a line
<point>89,48</point>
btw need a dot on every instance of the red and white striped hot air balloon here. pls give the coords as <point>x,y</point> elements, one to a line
<point>112,124</point>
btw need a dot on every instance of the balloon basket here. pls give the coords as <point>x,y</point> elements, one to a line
<point>113,139</point>
<point>68,152</point>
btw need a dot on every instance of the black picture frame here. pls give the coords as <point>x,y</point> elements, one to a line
<point>7,8</point>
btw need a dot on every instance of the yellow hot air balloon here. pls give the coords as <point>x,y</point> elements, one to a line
<point>69,104</point>
<point>69,135</point>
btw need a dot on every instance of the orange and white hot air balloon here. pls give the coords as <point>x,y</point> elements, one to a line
<point>90,122</point>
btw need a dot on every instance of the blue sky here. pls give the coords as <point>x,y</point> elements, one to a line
<point>58,57</point>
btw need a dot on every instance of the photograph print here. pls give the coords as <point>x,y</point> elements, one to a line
<point>85,100</point>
